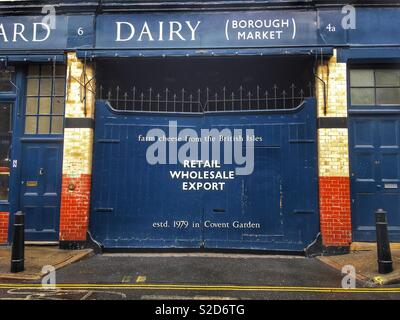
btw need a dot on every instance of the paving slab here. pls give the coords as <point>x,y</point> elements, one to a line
<point>366,265</point>
<point>35,258</point>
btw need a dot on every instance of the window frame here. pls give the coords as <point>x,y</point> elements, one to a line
<point>52,96</point>
<point>11,102</point>
<point>10,97</point>
<point>374,68</point>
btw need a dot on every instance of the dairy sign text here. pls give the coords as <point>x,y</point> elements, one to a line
<point>205,30</point>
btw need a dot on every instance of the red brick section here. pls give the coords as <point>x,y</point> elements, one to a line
<point>74,213</point>
<point>3,227</point>
<point>335,214</point>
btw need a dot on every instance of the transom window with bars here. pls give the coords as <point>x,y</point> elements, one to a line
<point>371,87</point>
<point>45,99</point>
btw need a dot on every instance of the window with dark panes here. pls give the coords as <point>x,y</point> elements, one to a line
<point>375,87</point>
<point>45,99</point>
<point>6,78</point>
<point>5,143</point>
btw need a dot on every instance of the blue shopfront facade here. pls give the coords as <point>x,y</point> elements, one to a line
<point>278,38</point>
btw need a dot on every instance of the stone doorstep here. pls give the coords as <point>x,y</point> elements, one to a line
<point>26,275</point>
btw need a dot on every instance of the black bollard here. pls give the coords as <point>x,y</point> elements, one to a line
<point>385,264</point>
<point>18,244</point>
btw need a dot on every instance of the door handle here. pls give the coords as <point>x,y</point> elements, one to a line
<point>41,172</point>
<point>378,186</point>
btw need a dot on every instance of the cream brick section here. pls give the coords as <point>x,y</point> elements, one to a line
<point>333,150</point>
<point>78,143</point>
<point>334,75</point>
<point>75,108</point>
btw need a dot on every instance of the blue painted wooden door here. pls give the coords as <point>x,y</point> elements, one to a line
<point>375,173</point>
<point>281,193</point>
<point>136,204</point>
<point>40,189</point>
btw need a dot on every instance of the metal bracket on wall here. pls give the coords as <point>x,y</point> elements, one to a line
<point>324,84</point>
<point>85,82</point>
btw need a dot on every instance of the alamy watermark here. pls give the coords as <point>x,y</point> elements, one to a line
<point>349,280</point>
<point>49,19</point>
<point>49,278</point>
<point>187,146</point>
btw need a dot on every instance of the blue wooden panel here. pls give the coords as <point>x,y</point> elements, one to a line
<point>375,173</point>
<point>134,203</point>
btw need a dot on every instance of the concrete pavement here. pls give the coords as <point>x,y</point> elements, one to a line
<point>366,266</point>
<point>35,258</point>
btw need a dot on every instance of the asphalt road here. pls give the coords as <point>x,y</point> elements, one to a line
<point>185,276</point>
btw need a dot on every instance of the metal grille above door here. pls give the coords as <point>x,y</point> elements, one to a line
<point>206,100</point>
<point>205,84</point>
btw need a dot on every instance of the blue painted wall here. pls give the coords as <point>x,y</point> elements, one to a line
<point>214,29</point>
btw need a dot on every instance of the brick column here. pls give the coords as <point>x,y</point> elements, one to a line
<point>333,157</point>
<point>77,160</point>
<point>3,227</point>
